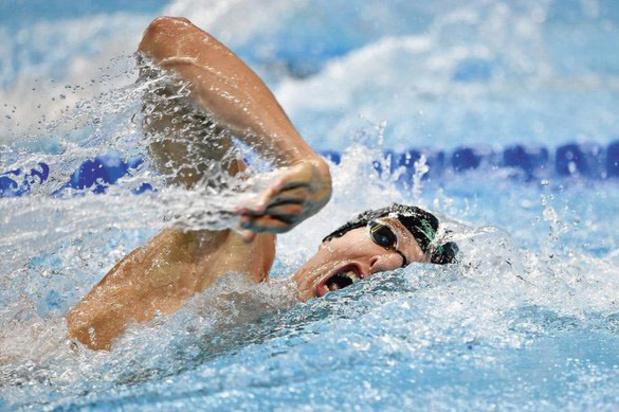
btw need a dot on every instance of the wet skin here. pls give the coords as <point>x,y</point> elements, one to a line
<point>358,256</point>
<point>161,276</point>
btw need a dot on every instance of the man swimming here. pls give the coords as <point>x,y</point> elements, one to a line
<point>176,264</point>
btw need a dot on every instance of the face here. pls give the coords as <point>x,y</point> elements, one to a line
<point>352,257</point>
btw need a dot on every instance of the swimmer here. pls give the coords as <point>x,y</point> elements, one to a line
<point>160,277</point>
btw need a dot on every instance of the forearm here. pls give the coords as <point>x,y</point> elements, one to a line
<point>227,88</point>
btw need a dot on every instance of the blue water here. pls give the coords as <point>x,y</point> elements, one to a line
<point>513,106</point>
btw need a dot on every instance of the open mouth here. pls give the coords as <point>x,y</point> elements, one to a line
<point>341,279</point>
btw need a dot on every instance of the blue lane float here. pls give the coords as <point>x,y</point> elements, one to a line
<point>529,160</point>
<point>94,175</point>
<point>612,160</point>
<point>586,160</point>
<point>101,172</point>
<point>465,158</point>
<point>18,182</point>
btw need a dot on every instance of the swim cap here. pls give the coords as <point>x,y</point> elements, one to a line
<point>421,224</point>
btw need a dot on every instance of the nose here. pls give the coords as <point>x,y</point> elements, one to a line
<point>384,262</point>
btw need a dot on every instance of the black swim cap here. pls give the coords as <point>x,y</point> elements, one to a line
<point>421,224</point>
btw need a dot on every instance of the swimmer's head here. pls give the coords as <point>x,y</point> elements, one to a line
<point>375,241</point>
<point>422,225</point>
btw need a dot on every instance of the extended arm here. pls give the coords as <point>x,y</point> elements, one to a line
<point>160,277</point>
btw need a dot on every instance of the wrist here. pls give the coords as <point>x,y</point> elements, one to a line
<point>322,176</point>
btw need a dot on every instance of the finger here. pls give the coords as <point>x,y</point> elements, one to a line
<point>264,199</point>
<point>285,210</point>
<point>297,184</point>
<point>297,192</point>
<point>293,184</point>
<point>245,221</point>
<point>279,201</point>
<point>258,206</point>
<point>297,196</point>
<point>292,179</point>
<point>247,235</point>
<point>269,224</point>
<point>274,205</point>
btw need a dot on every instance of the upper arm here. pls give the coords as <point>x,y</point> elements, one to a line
<point>226,87</point>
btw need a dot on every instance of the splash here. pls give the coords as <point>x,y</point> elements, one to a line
<point>528,318</point>
<point>500,296</point>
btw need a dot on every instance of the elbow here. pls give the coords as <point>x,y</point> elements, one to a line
<point>82,328</point>
<point>322,169</point>
<point>77,329</point>
<point>161,35</point>
<point>165,25</point>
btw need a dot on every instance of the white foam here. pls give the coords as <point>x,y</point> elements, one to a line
<point>509,287</point>
<point>76,54</point>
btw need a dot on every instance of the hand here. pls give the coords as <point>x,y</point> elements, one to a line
<point>298,192</point>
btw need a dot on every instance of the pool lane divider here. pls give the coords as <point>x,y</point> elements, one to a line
<point>585,160</point>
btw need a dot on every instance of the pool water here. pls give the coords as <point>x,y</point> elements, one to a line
<point>499,116</point>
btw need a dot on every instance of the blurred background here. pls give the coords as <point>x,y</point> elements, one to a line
<point>439,73</point>
<point>515,104</point>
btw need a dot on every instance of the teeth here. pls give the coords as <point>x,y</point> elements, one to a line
<point>332,283</point>
<point>351,275</point>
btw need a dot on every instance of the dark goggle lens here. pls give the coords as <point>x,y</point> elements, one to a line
<point>382,235</point>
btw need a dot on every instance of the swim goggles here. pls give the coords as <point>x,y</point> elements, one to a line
<point>385,237</point>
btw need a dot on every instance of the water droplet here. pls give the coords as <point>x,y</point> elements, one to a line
<point>571,167</point>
